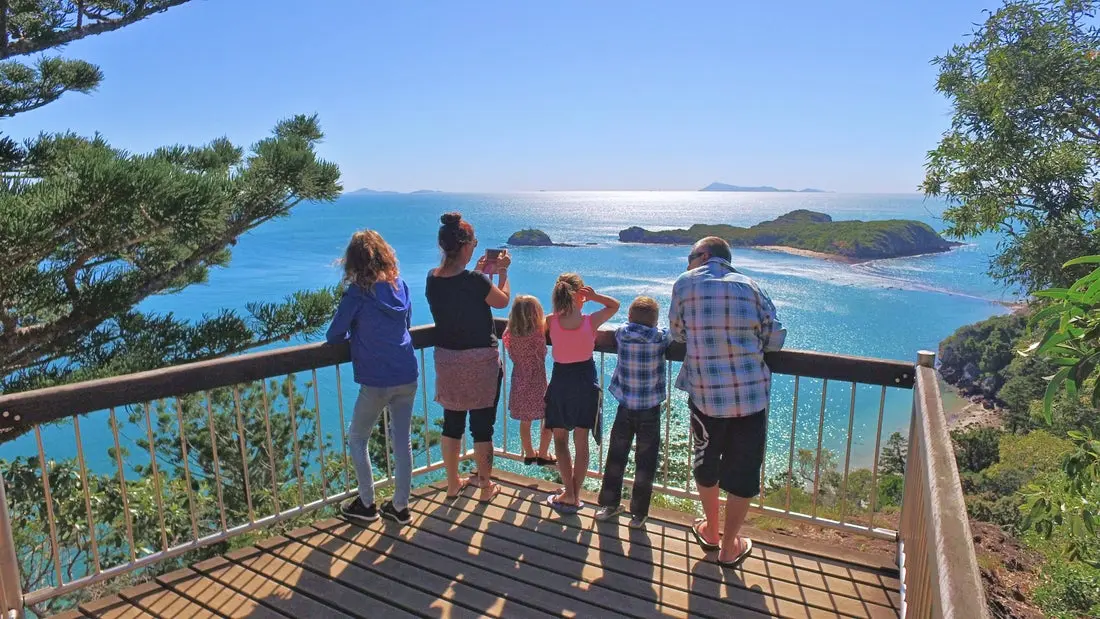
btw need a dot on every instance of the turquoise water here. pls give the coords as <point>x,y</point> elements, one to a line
<point>889,309</point>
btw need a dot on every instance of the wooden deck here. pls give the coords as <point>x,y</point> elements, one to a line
<point>512,558</point>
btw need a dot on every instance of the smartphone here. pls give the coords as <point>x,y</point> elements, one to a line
<point>491,256</point>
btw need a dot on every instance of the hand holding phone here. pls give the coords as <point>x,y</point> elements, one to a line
<point>490,261</point>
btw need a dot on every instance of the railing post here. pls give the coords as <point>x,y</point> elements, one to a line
<point>11,587</point>
<point>926,358</point>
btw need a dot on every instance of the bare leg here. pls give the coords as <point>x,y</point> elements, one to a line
<point>732,545</point>
<point>580,466</point>
<point>450,461</point>
<point>710,498</point>
<point>525,438</point>
<point>483,453</point>
<point>544,442</point>
<point>565,465</point>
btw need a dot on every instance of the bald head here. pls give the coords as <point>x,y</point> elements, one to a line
<point>715,246</point>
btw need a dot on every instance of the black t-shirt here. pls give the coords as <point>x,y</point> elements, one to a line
<point>463,320</point>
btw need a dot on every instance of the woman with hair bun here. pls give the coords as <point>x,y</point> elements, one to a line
<point>468,371</point>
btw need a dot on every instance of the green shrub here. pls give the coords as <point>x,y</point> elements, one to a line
<point>1069,590</point>
<point>1023,458</point>
<point>976,449</point>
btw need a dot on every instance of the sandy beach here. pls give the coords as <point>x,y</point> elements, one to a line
<point>963,412</point>
<point>806,253</point>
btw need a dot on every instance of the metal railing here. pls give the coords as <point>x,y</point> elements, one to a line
<point>213,436</point>
<point>939,570</point>
<point>805,367</point>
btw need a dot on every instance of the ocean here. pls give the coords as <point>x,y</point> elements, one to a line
<point>888,308</point>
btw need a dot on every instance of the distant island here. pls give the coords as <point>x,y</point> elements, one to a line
<point>812,234</point>
<point>764,188</point>
<point>367,191</point>
<point>532,237</point>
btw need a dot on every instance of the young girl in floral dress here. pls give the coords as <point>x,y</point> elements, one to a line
<point>525,341</point>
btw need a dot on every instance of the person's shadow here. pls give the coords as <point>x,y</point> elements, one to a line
<point>712,581</point>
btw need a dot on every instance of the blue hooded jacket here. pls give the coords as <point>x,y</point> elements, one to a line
<point>375,323</point>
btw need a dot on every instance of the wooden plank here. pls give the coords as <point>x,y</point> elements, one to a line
<point>480,574</point>
<point>154,599</point>
<point>394,592</point>
<point>113,607</point>
<point>851,563</point>
<point>263,589</point>
<point>69,614</point>
<point>563,573</point>
<point>603,567</point>
<point>215,596</point>
<point>689,586</point>
<point>324,589</point>
<point>484,591</point>
<point>678,552</point>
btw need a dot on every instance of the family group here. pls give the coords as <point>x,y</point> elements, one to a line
<point>723,317</point>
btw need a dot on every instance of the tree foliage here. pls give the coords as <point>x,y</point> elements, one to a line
<point>1071,342</point>
<point>266,455</point>
<point>1021,155</point>
<point>92,231</point>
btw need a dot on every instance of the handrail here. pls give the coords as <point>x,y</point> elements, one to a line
<point>939,570</point>
<point>54,403</point>
<point>191,386</point>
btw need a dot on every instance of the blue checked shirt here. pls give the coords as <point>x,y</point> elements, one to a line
<point>639,379</point>
<point>727,323</point>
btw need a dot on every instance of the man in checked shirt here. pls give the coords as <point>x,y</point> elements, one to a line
<point>728,323</point>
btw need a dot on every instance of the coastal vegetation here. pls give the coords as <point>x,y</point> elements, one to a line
<point>1021,159</point>
<point>811,231</point>
<point>530,237</point>
<point>91,231</point>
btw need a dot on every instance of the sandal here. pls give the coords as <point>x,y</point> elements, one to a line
<point>708,546</point>
<point>546,461</point>
<point>462,485</point>
<point>530,461</point>
<point>564,509</point>
<point>493,492</point>
<point>739,559</point>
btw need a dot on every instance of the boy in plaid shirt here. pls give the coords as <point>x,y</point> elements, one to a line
<point>639,386</point>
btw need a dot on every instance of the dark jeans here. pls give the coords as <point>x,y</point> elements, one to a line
<point>646,425</point>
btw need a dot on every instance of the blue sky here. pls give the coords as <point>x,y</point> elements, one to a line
<point>505,95</point>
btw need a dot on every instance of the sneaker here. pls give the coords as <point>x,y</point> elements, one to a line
<point>389,512</point>
<point>355,510</point>
<point>638,522</point>
<point>607,512</point>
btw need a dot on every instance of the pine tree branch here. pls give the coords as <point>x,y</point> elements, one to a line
<point>3,28</point>
<point>103,24</point>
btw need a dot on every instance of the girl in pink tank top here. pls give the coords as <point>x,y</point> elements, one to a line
<point>573,397</point>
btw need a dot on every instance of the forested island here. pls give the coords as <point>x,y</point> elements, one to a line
<point>811,233</point>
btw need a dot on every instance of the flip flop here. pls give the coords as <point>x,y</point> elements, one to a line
<point>708,546</point>
<point>547,462</point>
<point>462,485</point>
<point>564,509</point>
<point>492,494</point>
<point>739,559</point>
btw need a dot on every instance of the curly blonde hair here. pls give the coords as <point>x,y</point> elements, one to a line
<point>369,259</point>
<point>526,317</point>
<point>565,292</point>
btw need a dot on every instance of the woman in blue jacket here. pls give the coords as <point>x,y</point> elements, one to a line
<point>374,317</point>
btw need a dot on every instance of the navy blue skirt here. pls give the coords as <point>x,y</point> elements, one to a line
<point>573,397</point>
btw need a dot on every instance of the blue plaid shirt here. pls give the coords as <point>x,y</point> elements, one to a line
<point>728,323</point>
<point>639,379</point>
